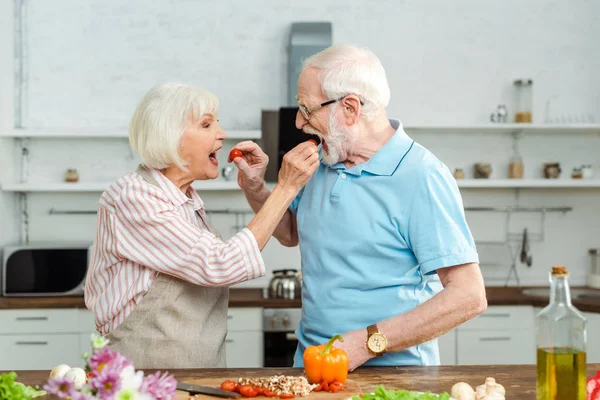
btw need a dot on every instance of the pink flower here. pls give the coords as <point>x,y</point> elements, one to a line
<point>159,387</point>
<point>60,387</point>
<point>107,383</point>
<point>107,358</point>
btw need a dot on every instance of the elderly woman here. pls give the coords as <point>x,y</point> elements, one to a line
<point>158,277</point>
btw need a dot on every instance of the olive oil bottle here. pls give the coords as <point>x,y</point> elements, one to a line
<point>561,344</point>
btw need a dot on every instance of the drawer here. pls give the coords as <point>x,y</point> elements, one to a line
<point>244,349</point>
<point>86,321</point>
<point>244,319</point>
<point>496,347</point>
<point>26,352</point>
<point>38,321</point>
<point>502,318</point>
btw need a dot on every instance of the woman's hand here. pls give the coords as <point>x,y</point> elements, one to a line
<point>252,166</point>
<point>298,166</point>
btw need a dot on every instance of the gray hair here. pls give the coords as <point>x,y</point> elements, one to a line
<point>347,69</point>
<point>161,118</point>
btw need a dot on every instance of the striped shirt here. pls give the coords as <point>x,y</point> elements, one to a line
<point>144,230</point>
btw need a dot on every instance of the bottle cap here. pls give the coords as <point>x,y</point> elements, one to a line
<point>559,270</point>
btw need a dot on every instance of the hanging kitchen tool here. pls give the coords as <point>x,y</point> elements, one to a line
<point>526,258</point>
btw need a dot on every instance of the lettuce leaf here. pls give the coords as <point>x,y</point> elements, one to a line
<point>381,393</point>
<point>10,389</point>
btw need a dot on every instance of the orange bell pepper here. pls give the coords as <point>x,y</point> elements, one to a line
<point>325,363</point>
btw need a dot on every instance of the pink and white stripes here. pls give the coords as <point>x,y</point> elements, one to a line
<point>144,230</point>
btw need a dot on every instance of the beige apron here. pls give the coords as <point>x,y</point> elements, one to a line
<point>176,324</point>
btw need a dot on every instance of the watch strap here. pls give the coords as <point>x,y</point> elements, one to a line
<point>371,329</point>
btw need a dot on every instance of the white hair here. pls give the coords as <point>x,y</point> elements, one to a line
<point>161,118</point>
<point>347,69</point>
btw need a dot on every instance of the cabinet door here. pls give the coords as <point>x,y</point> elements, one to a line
<point>242,319</point>
<point>447,345</point>
<point>593,333</point>
<point>496,347</point>
<point>35,321</point>
<point>244,349</point>
<point>43,351</point>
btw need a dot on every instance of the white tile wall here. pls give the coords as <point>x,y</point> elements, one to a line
<point>447,63</point>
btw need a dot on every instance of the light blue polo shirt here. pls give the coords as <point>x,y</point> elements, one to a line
<point>371,239</point>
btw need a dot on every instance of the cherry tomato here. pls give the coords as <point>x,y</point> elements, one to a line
<point>259,390</point>
<point>234,153</point>
<point>286,396</point>
<point>335,387</point>
<point>313,141</point>
<point>237,388</point>
<point>269,393</point>
<point>228,386</point>
<point>325,386</point>
<point>318,388</point>
<point>248,391</point>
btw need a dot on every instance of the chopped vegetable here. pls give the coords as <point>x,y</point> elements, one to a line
<point>381,393</point>
<point>10,389</point>
<point>325,363</point>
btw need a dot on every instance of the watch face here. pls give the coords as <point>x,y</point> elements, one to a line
<point>377,343</point>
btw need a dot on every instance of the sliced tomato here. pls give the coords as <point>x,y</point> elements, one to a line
<point>237,387</point>
<point>259,390</point>
<point>269,393</point>
<point>248,391</point>
<point>318,388</point>
<point>286,396</point>
<point>325,386</point>
<point>335,387</point>
<point>228,386</point>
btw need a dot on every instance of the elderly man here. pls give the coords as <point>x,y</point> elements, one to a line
<point>388,259</point>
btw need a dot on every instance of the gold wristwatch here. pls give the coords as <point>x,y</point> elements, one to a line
<point>376,341</point>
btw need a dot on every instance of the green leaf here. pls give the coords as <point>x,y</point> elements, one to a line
<point>381,393</point>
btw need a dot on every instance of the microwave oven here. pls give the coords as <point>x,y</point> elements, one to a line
<point>45,269</point>
<point>280,135</point>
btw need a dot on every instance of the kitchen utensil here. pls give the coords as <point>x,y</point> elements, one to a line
<point>285,284</point>
<point>500,115</point>
<point>526,258</point>
<point>594,272</point>
<point>197,389</point>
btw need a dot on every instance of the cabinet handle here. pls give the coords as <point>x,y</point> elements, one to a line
<point>494,339</point>
<point>291,336</point>
<point>496,315</point>
<point>31,343</point>
<point>228,340</point>
<point>32,318</point>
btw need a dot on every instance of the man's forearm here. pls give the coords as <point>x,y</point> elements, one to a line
<point>285,232</point>
<point>440,314</point>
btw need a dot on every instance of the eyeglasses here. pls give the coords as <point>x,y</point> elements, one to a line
<point>307,111</point>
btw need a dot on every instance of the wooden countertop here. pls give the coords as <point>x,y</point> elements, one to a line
<point>254,298</point>
<point>518,380</point>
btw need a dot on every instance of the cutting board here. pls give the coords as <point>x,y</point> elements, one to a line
<point>351,388</point>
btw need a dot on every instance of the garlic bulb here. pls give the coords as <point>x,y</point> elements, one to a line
<point>59,371</point>
<point>462,391</point>
<point>490,390</point>
<point>77,375</point>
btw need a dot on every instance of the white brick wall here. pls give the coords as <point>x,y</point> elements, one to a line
<point>88,63</point>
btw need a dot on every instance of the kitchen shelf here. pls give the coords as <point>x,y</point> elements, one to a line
<point>85,133</point>
<point>94,187</point>
<point>506,128</point>
<point>527,183</point>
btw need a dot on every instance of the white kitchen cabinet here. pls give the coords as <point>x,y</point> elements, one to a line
<point>44,338</point>
<point>501,335</point>
<point>447,346</point>
<point>593,333</point>
<point>38,351</point>
<point>244,344</point>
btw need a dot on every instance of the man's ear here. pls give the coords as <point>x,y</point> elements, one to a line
<point>352,108</point>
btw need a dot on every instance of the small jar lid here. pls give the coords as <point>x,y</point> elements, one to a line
<point>559,270</point>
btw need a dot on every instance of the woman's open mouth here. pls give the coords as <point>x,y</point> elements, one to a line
<point>213,158</point>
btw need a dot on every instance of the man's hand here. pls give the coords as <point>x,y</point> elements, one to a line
<point>252,166</point>
<point>355,345</point>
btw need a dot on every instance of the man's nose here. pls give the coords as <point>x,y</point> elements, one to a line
<point>300,120</point>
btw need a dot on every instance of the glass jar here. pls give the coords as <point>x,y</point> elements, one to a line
<point>524,100</point>
<point>561,344</point>
<point>72,175</point>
